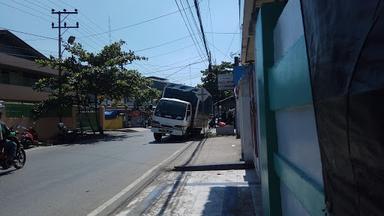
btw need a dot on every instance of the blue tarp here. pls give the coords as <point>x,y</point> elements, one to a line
<point>111,114</point>
<point>238,72</point>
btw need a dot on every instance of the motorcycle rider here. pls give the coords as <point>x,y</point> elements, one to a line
<point>9,146</point>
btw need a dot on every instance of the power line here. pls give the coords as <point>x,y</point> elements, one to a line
<point>202,31</point>
<point>35,4</point>
<point>96,42</point>
<point>24,55</point>
<point>32,14</point>
<point>27,33</point>
<point>230,44</point>
<point>170,66</point>
<point>134,24</point>
<point>170,52</point>
<point>86,17</point>
<point>26,12</point>
<point>162,44</point>
<point>83,15</point>
<point>176,67</point>
<point>192,17</point>
<point>23,48</point>
<point>224,54</point>
<point>191,78</point>
<point>85,30</point>
<point>210,18</point>
<point>169,75</point>
<point>190,25</point>
<point>38,6</point>
<point>190,34</point>
<point>223,33</point>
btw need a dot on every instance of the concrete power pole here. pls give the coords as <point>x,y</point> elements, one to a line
<point>236,122</point>
<point>59,26</point>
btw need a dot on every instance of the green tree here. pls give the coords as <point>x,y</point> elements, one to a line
<point>101,75</point>
<point>209,80</point>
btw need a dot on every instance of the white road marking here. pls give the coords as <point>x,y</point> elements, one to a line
<point>134,184</point>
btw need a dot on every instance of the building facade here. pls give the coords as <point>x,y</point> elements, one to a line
<point>316,75</point>
<point>278,109</point>
<point>18,74</point>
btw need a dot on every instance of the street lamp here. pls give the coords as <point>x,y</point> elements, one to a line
<point>71,39</point>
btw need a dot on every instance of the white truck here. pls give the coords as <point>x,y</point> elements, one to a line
<point>181,110</point>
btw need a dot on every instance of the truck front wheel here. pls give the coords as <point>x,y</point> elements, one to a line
<point>157,136</point>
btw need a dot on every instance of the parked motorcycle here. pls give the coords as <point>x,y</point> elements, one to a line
<point>29,137</point>
<point>5,161</point>
<point>65,134</point>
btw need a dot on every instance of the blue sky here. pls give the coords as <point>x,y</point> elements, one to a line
<point>165,41</point>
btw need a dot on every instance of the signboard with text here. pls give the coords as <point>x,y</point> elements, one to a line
<point>225,81</point>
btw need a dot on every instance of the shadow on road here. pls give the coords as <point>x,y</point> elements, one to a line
<point>91,139</point>
<point>6,172</point>
<point>177,139</point>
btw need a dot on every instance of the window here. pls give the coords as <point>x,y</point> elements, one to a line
<point>30,79</point>
<point>4,76</point>
<point>171,109</point>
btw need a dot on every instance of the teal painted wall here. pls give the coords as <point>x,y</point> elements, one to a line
<point>307,191</point>
<point>289,83</point>
<point>266,22</point>
<point>281,86</point>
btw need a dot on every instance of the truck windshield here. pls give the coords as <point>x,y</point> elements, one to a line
<point>171,109</point>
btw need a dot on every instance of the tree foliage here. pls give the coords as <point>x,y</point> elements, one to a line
<point>88,78</point>
<point>209,80</point>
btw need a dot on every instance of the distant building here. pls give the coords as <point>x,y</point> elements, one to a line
<point>19,71</point>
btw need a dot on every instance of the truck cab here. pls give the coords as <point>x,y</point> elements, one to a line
<point>171,116</point>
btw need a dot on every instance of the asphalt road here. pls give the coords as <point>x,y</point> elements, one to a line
<point>76,179</point>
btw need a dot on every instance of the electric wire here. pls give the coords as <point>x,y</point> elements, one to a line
<point>222,33</point>
<point>162,44</point>
<point>202,30</point>
<point>210,18</point>
<point>230,44</point>
<point>190,25</point>
<point>41,8</point>
<point>170,52</point>
<point>31,34</point>
<point>135,24</point>
<point>189,59</point>
<point>90,27</point>
<point>173,68</point>
<point>170,66</point>
<point>82,30</point>
<point>192,18</point>
<point>169,75</point>
<point>190,34</point>
<point>26,12</point>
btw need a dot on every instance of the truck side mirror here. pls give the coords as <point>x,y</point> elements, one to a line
<point>188,113</point>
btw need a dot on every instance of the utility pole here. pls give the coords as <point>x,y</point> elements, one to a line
<point>202,96</point>
<point>59,27</point>
<point>236,123</point>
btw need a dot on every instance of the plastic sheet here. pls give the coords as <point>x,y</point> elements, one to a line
<point>345,45</point>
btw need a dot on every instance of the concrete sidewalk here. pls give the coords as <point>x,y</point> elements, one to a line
<point>214,192</point>
<point>218,150</point>
<point>131,129</point>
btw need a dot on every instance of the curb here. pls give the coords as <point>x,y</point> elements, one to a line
<point>113,204</point>
<point>208,167</point>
